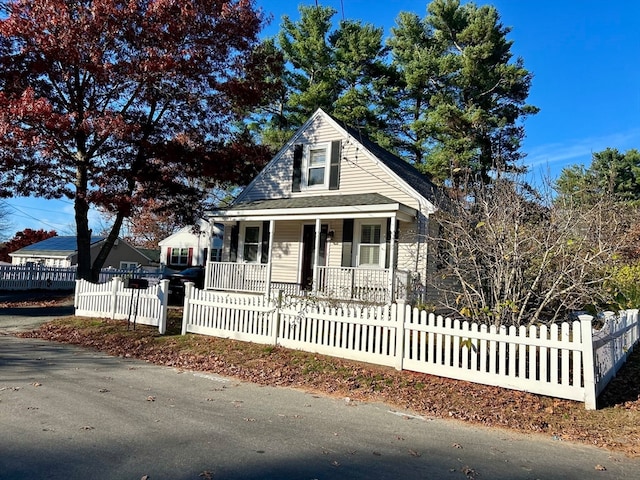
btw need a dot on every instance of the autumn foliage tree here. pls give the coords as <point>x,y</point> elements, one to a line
<point>113,102</point>
<point>23,239</point>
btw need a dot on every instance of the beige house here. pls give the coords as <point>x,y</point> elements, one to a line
<point>367,210</point>
<point>63,252</point>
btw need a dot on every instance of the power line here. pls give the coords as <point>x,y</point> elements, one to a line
<point>29,216</point>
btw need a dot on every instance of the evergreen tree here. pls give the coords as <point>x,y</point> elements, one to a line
<point>611,173</point>
<point>464,96</point>
<point>329,69</point>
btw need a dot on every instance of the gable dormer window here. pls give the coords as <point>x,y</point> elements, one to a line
<point>316,166</point>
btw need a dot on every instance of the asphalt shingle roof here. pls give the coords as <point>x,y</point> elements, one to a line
<point>414,178</point>
<point>320,201</point>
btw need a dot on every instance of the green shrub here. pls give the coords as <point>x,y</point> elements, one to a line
<point>624,286</point>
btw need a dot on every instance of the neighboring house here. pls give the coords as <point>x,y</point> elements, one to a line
<point>192,245</point>
<point>368,210</point>
<point>153,254</point>
<point>63,252</point>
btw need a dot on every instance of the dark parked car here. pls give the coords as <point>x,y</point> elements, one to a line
<point>178,280</point>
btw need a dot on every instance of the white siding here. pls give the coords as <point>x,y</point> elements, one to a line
<point>358,173</point>
<point>286,251</point>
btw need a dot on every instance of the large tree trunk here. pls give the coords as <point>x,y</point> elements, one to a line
<point>83,233</point>
<point>98,263</point>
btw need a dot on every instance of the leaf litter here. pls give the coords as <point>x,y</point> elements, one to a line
<point>615,425</point>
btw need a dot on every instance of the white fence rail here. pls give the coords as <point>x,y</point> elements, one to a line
<point>613,343</point>
<point>363,334</point>
<point>113,300</point>
<point>34,276</point>
<point>30,277</point>
<point>543,360</point>
<point>239,277</point>
<point>569,360</point>
<point>229,315</point>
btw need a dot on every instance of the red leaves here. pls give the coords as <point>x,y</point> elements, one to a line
<point>105,85</point>
<point>22,239</point>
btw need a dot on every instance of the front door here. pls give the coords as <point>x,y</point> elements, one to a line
<point>308,253</point>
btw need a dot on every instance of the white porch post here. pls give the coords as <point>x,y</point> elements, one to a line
<point>316,255</point>
<point>207,267</point>
<point>392,255</point>
<point>270,262</point>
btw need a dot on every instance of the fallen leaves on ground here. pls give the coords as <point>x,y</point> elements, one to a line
<point>47,299</point>
<point>615,425</point>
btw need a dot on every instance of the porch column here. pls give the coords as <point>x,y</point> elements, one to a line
<point>316,256</point>
<point>207,268</point>
<point>392,257</point>
<point>270,262</point>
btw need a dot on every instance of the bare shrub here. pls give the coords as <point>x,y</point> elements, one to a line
<point>508,255</point>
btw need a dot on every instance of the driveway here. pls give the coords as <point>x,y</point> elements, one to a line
<point>31,315</point>
<point>70,413</point>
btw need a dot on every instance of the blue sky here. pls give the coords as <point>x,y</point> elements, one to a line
<point>585,57</point>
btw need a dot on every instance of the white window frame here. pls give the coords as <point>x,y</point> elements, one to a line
<point>215,254</point>
<point>181,261</point>
<point>124,265</point>
<point>306,166</point>
<point>358,242</point>
<point>242,242</point>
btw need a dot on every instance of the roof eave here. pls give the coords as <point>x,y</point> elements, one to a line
<point>398,210</point>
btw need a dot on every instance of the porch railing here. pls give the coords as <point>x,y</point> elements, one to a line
<point>237,277</point>
<point>340,283</point>
<point>354,283</point>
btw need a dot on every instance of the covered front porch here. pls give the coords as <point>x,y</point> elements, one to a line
<point>340,283</point>
<point>270,247</point>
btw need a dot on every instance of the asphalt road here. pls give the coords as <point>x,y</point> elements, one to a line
<point>21,318</point>
<point>71,413</point>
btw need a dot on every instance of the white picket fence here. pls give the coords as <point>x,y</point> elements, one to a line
<point>39,277</point>
<point>569,360</point>
<point>613,343</point>
<point>32,276</point>
<point>113,300</point>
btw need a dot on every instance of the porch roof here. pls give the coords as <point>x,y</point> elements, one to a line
<point>366,205</point>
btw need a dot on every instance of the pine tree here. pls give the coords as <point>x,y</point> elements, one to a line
<point>464,96</point>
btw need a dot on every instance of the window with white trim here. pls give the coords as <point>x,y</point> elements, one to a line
<point>316,167</point>
<point>179,256</point>
<point>251,244</point>
<point>369,247</point>
<point>216,255</point>
<point>128,265</point>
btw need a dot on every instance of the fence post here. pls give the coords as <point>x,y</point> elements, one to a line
<point>400,308</point>
<point>30,274</point>
<point>276,317</point>
<point>586,338</point>
<point>115,287</point>
<point>188,287</point>
<point>163,286</point>
<point>76,295</point>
